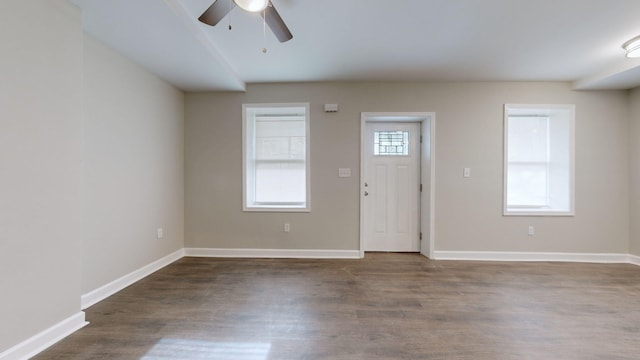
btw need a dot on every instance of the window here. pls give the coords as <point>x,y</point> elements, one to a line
<point>391,143</point>
<point>276,157</point>
<point>538,161</point>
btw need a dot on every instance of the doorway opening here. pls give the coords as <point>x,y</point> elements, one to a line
<point>397,182</point>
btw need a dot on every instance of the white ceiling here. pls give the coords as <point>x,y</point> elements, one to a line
<point>377,40</point>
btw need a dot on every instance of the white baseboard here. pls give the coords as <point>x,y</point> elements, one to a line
<point>41,341</point>
<point>531,256</point>
<point>273,253</point>
<point>113,287</point>
<point>633,259</point>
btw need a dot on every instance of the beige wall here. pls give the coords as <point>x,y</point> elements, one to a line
<point>468,134</point>
<point>634,166</point>
<point>133,178</point>
<point>91,154</point>
<point>40,166</point>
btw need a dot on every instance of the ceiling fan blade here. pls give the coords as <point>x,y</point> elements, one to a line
<point>216,12</point>
<point>276,24</point>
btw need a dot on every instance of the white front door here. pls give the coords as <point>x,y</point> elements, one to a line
<point>392,187</point>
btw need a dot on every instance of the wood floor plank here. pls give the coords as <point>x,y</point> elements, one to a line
<point>386,306</point>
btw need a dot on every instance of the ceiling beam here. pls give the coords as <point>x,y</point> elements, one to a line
<point>624,74</point>
<point>200,35</point>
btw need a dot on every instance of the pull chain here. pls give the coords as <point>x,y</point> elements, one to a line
<point>229,12</point>
<point>264,30</point>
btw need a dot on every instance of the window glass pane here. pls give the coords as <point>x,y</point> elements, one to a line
<point>297,147</point>
<point>280,139</point>
<point>528,139</point>
<point>527,185</point>
<point>280,182</point>
<point>391,143</point>
<point>528,157</point>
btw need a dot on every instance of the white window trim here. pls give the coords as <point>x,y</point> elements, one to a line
<point>540,211</point>
<point>283,207</point>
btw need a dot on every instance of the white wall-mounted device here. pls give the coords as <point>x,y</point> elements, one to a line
<point>330,107</point>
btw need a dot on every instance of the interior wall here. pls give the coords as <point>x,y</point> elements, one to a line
<point>469,133</point>
<point>134,167</point>
<point>40,171</point>
<point>634,166</point>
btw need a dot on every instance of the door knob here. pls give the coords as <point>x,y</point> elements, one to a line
<point>366,193</point>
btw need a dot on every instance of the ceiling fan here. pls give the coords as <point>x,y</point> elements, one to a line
<point>220,8</point>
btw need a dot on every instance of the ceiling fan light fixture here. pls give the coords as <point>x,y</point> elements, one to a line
<point>252,5</point>
<point>632,47</point>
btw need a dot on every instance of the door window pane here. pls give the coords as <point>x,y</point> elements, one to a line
<point>391,143</point>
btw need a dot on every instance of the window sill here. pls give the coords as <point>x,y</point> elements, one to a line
<point>287,209</point>
<point>541,212</point>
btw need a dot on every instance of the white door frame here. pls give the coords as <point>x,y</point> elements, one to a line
<point>427,121</point>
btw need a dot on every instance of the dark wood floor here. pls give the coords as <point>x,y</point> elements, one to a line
<point>386,306</point>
